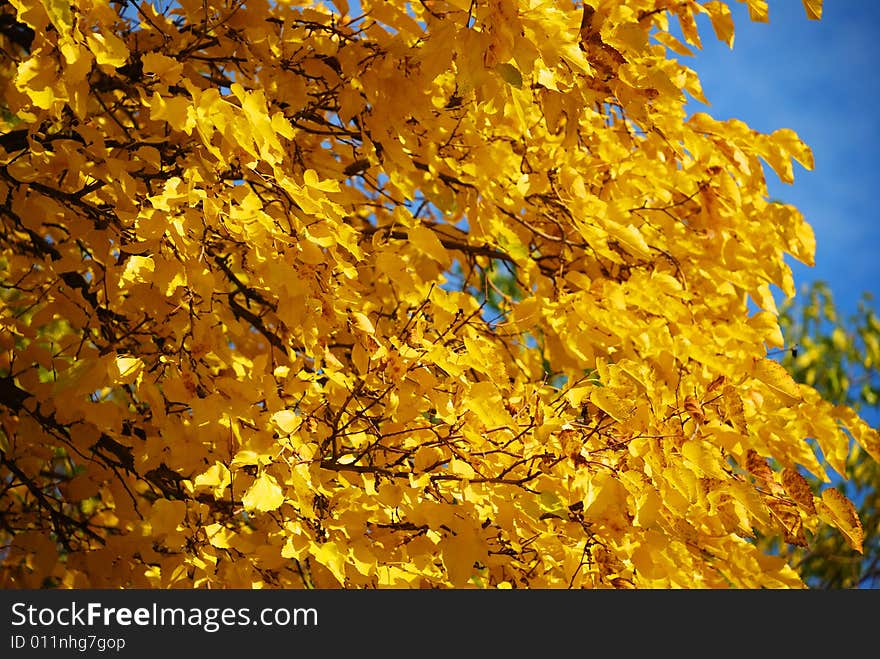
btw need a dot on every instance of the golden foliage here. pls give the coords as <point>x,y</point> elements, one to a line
<point>249,252</point>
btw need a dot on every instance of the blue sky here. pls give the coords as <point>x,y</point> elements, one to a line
<point>820,78</point>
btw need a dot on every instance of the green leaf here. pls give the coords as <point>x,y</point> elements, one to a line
<point>510,74</point>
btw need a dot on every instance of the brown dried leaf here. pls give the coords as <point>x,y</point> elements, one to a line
<point>694,408</point>
<point>733,410</point>
<point>797,487</point>
<point>717,382</point>
<point>789,521</point>
<point>757,466</point>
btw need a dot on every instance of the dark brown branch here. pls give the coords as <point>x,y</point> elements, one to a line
<point>447,242</point>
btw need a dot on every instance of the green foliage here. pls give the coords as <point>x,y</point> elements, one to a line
<point>839,356</point>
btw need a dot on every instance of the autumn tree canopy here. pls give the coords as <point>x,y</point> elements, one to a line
<point>396,294</point>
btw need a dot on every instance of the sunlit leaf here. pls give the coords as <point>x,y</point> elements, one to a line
<point>813,9</point>
<point>264,494</point>
<point>836,509</point>
<point>780,382</point>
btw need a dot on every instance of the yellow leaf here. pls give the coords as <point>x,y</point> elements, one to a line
<point>813,9</point>
<point>264,494</point>
<point>78,59</point>
<point>218,535</point>
<point>329,555</point>
<point>150,155</point>
<point>128,369</point>
<point>427,242</point>
<point>246,457</point>
<point>310,178</point>
<point>60,14</point>
<point>866,436</point>
<point>722,20</point>
<point>427,457</point>
<point>390,494</point>
<point>754,509</point>
<point>176,110</point>
<point>281,125</point>
<point>673,44</point>
<point>705,460</point>
<point>461,468</point>
<point>758,11</point>
<point>84,376</point>
<point>839,511</point>
<point>459,554</point>
<point>631,238</point>
<point>792,145</point>
<point>362,557</point>
<point>649,508</point>
<point>767,324</point>
<point>177,279</point>
<point>803,243</point>
<point>609,402</point>
<point>286,420</point>
<point>689,27</point>
<point>778,379</point>
<point>603,496</point>
<point>217,477</point>
<point>136,269</point>
<point>779,160</point>
<point>108,48</point>
<point>166,515</point>
<point>36,78</point>
<point>167,69</point>
<point>362,322</point>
